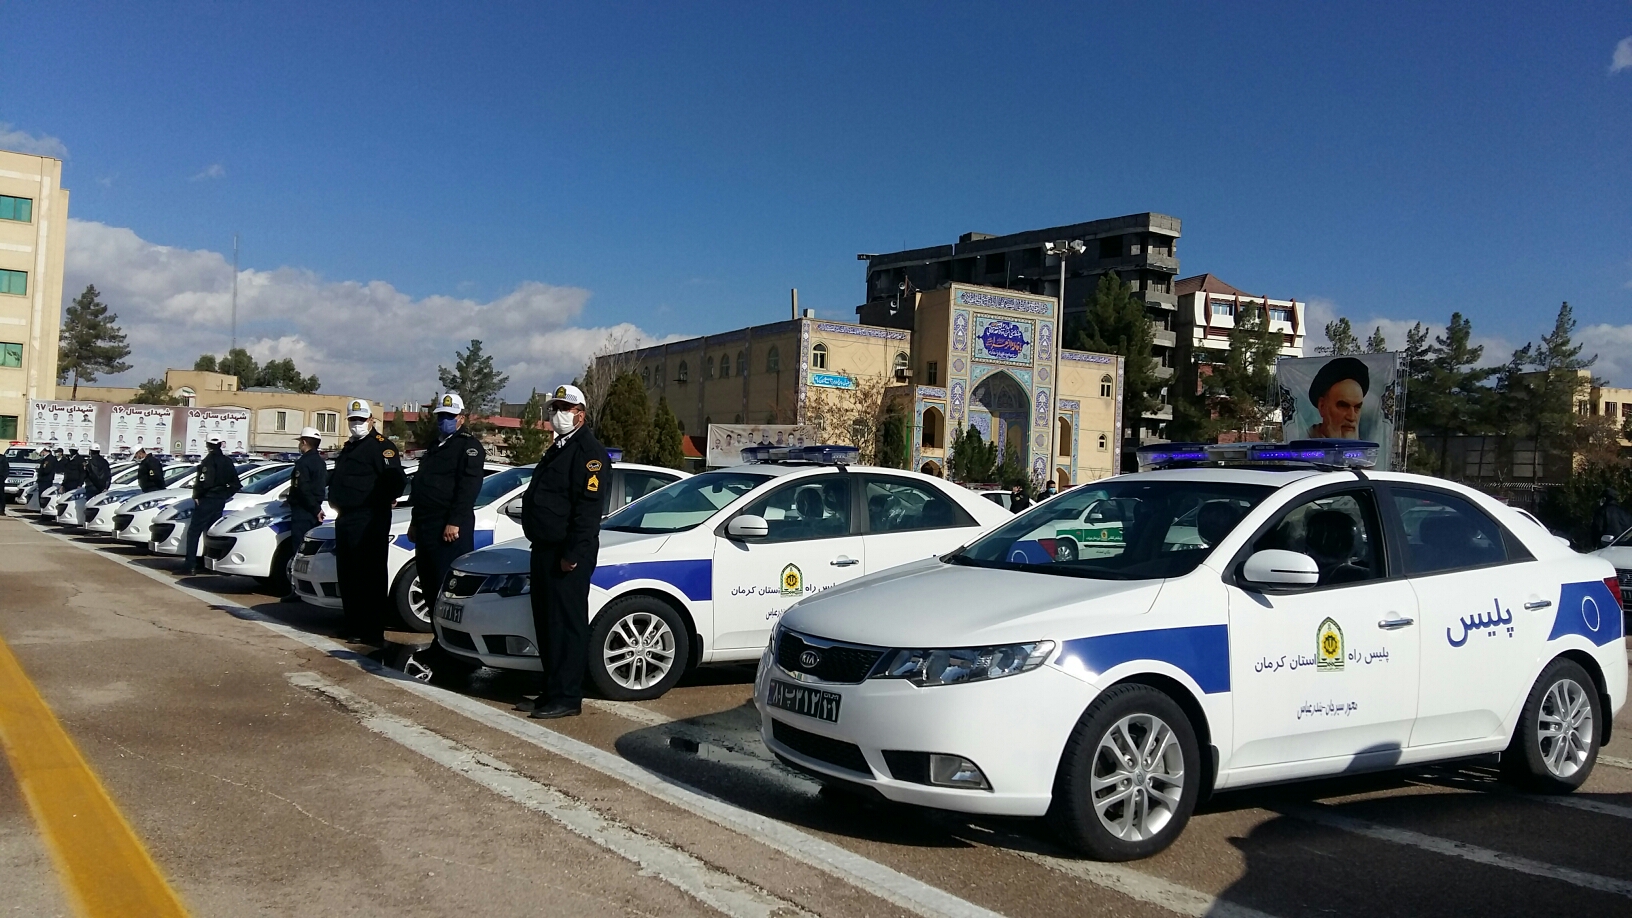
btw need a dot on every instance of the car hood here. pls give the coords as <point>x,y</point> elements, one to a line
<point>116,496</point>
<point>1619,556</point>
<point>931,604</point>
<point>512,557</point>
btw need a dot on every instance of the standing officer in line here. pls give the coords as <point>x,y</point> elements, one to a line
<point>308,483</point>
<point>149,471</point>
<point>367,479</point>
<point>44,474</point>
<point>444,496</point>
<point>561,516</point>
<point>217,481</point>
<point>73,471</point>
<point>5,470</point>
<point>98,475</point>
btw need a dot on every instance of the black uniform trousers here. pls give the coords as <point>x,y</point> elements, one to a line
<point>300,523</point>
<point>433,557</point>
<point>360,554</point>
<point>561,622</point>
<point>206,513</point>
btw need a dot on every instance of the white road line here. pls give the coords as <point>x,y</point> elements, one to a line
<point>909,893</point>
<point>1614,760</point>
<point>1585,803</point>
<point>1146,888</point>
<point>711,886</point>
<point>1463,850</point>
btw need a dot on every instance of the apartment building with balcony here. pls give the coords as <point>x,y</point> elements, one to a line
<point>1208,309</point>
<point>33,236</point>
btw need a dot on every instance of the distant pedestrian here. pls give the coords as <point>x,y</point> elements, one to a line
<point>1018,501</point>
<point>5,472</point>
<point>308,486</point>
<point>73,471</point>
<point>1609,519</point>
<point>444,496</point>
<point>366,481</point>
<point>217,481</point>
<point>44,474</point>
<point>1049,490</point>
<point>149,471</point>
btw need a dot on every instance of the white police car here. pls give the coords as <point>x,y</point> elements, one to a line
<point>699,571</point>
<point>168,533</point>
<point>68,508</point>
<point>316,575</point>
<point>1324,620</point>
<point>1618,552</point>
<point>103,510</point>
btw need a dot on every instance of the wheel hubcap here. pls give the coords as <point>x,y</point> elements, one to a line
<point>417,603</point>
<point>1138,777</point>
<point>1564,728</point>
<point>639,650</point>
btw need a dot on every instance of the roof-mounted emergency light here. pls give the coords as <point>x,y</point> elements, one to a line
<point>1330,454</point>
<point>815,455</point>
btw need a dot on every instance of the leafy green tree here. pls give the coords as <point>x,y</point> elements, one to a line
<point>475,379</point>
<point>1116,323</point>
<point>1340,339</point>
<point>154,392</point>
<point>625,416</point>
<point>527,443</point>
<point>1552,386</point>
<point>91,342</point>
<point>241,364</point>
<point>1376,343</point>
<point>894,452</point>
<point>284,375</point>
<point>1241,391</point>
<point>205,363</point>
<point>663,440</point>
<point>397,427</point>
<point>1450,397</point>
<point>1011,471</point>
<point>973,459</point>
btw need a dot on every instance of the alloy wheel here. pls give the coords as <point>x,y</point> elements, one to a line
<point>1138,777</point>
<point>639,650</point>
<point>1564,728</point>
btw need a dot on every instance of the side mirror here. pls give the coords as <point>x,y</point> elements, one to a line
<point>748,527</point>
<point>513,509</point>
<point>1606,540</point>
<point>1275,567</point>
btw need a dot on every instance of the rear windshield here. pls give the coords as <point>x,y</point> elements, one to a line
<point>685,503</point>
<point>1128,529</point>
<point>499,484</point>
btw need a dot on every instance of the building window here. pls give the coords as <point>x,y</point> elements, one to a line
<point>1102,442</point>
<point>1223,308</point>
<point>8,426</point>
<point>685,373</point>
<point>1105,384</point>
<point>1280,314</point>
<point>725,366</point>
<point>1065,437</point>
<point>1584,409</point>
<point>708,368</point>
<point>657,376</point>
<point>15,282</point>
<point>1609,407</point>
<point>19,209</point>
<point>11,355</point>
<point>818,357</point>
<point>773,360</point>
<point>328,422</point>
<point>932,427</point>
<point>901,362</point>
<point>280,421</point>
<point>932,374</point>
<point>742,363</point>
<point>646,377</point>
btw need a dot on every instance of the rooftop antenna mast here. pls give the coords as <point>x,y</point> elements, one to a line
<point>234,293</point>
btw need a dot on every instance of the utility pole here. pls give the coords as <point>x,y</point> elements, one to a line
<point>234,293</point>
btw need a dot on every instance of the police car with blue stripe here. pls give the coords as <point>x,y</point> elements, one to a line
<point>699,571</point>
<point>1267,612</point>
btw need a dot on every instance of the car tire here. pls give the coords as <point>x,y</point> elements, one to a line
<point>403,594</point>
<point>1065,549</point>
<point>1116,821</point>
<point>638,648</point>
<point>1556,741</point>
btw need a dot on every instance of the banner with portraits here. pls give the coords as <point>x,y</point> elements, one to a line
<point>230,424</point>
<point>726,441</point>
<point>134,427</point>
<point>65,424</point>
<point>1349,397</point>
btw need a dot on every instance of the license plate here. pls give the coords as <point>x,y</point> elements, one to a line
<point>803,700</point>
<point>450,612</point>
<point>302,565</point>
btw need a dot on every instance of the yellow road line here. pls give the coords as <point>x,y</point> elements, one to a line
<point>101,863</point>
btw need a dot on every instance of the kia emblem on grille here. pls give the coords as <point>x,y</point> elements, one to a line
<point>809,659</point>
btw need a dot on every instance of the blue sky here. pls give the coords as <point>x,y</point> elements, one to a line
<point>674,168</point>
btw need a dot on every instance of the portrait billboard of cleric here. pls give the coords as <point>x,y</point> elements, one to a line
<point>1352,397</point>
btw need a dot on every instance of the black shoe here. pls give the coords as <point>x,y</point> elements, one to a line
<point>526,705</point>
<point>555,709</point>
<point>189,572</point>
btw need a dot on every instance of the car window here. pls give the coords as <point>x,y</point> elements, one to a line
<point>639,484</point>
<point>685,503</point>
<point>1340,531</point>
<point>1444,532</point>
<point>1161,528</point>
<point>900,505</point>
<point>269,483</point>
<point>499,484</point>
<point>176,473</point>
<point>810,508</point>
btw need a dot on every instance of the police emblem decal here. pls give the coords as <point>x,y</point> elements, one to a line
<point>594,465</point>
<point>389,453</point>
<point>356,406</point>
<point>793,581</point>
<point>447,401</point>
<point>1328,647</point>
<point>471,451</point>
<point>594,483</point>
<point>560,391</point>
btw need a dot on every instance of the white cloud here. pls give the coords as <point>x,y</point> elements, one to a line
<point>1321,311</point>
<point>212,171</point>
<point>1613,345</point>
<point>1623,56</point>
<point>24,142</point>
<point>367,339</point>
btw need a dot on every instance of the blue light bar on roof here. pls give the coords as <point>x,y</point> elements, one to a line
<point>614,454</point>
<point>816,455</point>
<point>1347,454</point>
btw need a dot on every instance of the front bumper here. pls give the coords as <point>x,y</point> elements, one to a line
<point>316,579</point>
<point>168,538</point>
<point>1014,728</point>
<point>243,554</point>
<point>134,527</point>
<point>101,518</point>
<point>485,621</point>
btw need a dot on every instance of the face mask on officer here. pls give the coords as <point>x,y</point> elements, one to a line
<point>447,424</point>
<point>563,422</point>
<point>359,427</point>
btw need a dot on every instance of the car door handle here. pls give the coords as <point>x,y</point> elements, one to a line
<point>1394,624</point>
<point>842,561</point>
<point>1538,604</point>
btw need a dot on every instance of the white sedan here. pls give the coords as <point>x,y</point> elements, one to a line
<point>167,534</point>
<point>1619,553</point>
<point>699,571</point>
<point>66,507</point>
<point>1325,620</point>
<point>101,510</point>
<point>316,576</point>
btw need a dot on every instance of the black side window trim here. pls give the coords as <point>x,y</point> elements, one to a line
<point>1393,567</point>
<point>864,523</point>
<point>1510,542</point>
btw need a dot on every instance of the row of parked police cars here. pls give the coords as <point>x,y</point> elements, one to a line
<point>1228,616</point>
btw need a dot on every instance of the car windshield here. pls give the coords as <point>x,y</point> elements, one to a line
<point>269,482</point>
<point>685,503</point>
<point>175,473</point>
<point>499,484</point>
<point>1625,541</point>
<point>1128,529</point>
<point>250,473</point>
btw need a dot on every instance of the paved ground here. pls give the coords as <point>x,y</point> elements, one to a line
<point>272,770</point>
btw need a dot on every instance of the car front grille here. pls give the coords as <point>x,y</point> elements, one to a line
<point>161,531</point>
<point>459,639</point>
<point>90,513</point>
<point>834,752</point>
<point>122,521</point>
<point>216,547</point>
<point>460,585</point>
<point>845,663</point>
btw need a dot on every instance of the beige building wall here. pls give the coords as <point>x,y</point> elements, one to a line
<point>1085,444</point>
<point>29,320</point>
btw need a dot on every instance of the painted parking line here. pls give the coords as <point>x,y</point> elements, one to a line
<point>102,864</point>
<point>1614,760</point>
<point>708,885</point>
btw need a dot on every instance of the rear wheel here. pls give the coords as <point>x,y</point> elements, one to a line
<point>413,606</point>
<point>1556,741</point>
<point>1065,549</point>
<point>1129,777</point>
<point>638,648</point>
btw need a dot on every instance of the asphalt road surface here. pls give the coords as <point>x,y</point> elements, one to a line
<point>265,768</point>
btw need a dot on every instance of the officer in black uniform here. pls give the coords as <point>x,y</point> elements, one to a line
<point>367,479</point>
<point>98,475</point>
<point>5,470</point>
<point>561,516</point>
<point>444,496</point>
<point>73,471</point>
<point>44,474</point>
<point>308,484</point>
<point>215,484</point>
<point>149,471</point>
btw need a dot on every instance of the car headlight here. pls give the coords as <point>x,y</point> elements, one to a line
<point>146,505</point>
<point>251,524</point>
<point>508,584</point>
<point>962,664</point>
<point>185,513</point>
